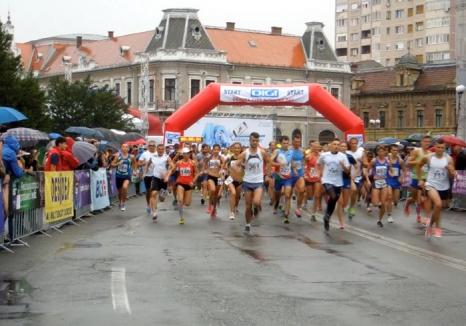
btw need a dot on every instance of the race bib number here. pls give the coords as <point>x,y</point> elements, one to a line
<point>285,170</point>
<point>439,174</point>
<point>381,171</point>
<point>298,165</point>
<point>380,183</point>
<point>185,172</point>
<point>313,172</point>
<point>122,168</point>
<point>220,181</point>
<point>228,181</point>
<point>396,172</point>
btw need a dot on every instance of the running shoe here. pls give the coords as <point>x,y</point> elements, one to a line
<point>174,202</point>
<point>313,218</point>
<point>419,219</point>
<point>213,214</point>
<point>426,221</point>
<point>275,212</point>
<point>154,217</point>
<point>148,210</point>
<point>351,212</point>
<point>390,219</point>
<point>286,220</point>
<point>429,232</point>
<point>209,209</point>
<point>181,221</point>
<point>437,232</point>
<point>379,223</point>
<point>247,229</point>
<point>369,209</point>
<point>232,216</point>
<point>326,222</point>
<point>123,208</point>
<point>298,213</point>
<point>202,201</point>
<point>342,227</point>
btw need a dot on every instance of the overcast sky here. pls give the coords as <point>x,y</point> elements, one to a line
<point>35,19</point>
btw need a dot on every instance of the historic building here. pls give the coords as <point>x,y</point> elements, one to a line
<point>405,99</point>
<point>185,56</point>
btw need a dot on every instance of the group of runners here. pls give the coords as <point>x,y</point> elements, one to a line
<point>341,174</point>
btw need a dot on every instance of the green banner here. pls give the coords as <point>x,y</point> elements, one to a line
<point>26,193</point>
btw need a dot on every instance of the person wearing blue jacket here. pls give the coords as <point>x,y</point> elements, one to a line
<point>10,150</point>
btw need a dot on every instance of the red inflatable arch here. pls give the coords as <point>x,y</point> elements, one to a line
<point>296,95</point>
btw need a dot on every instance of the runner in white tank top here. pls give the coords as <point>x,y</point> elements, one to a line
<point>254,161</point>
<point>437,184</point>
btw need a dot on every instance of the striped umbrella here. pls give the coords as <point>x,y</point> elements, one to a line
<point>27,137</point>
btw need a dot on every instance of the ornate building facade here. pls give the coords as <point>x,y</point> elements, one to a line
<point>405,99</point>
<point>185,56</point>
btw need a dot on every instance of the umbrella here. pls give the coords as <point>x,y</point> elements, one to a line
<point>109,135</point>
<point>83,151</point>
<point>131,136</point>
<point>453,140</point>
<point>370,145</point>
<point>414,137</point>
<point>8,115</point>
<point>27,137</point>
<point>54,135</point>
<point>104,145</point>
<point>140,141</point>
<point>85,132</point>
<point>388,141</point>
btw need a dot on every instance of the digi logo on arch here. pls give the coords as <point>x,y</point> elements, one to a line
<point>267,93</point>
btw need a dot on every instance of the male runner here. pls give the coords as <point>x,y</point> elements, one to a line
<point>144,159</point>
<point>282,159</point>
<point>356,174</point>
<point>297,173</point>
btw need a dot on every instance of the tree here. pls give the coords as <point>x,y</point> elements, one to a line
<point>19,90</point>
<point>81,104</point>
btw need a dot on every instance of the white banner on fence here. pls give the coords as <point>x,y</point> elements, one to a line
<point>241,94</point>
<point>226,131</point>
<point>99,190</point>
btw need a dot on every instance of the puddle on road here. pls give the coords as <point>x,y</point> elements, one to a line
<point>12,293</point>
<point>78,245</point>
<point>257,255</point>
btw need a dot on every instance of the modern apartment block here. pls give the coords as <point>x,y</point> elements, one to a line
<point>385,30</point>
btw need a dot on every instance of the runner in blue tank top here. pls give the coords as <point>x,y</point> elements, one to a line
<point>123,162</point>
<point>394,179</point>
<point>284,181</point>
<point>297,162</point>
<point>380,167</point>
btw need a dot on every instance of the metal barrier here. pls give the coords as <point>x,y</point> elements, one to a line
<point>2,220</point>
<point>25,223</point>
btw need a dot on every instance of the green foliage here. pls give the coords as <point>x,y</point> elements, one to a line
<point>81,104</point>
<point>20,91</point>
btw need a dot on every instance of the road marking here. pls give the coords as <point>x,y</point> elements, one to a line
<point>119,295</point>
<point>407,248</point>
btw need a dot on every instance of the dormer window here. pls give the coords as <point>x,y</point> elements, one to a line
<point>159,32</point>
<point>196,32</point>
<point>321,44</point>
<point>252,44</point>
<point>402,79</point>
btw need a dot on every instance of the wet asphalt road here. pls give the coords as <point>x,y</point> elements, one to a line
<point>121,269</point>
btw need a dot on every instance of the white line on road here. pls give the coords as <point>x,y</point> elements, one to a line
<point>407,248</point>
<point>119,295</point>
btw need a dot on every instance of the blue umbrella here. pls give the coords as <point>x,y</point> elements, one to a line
<point>54,135</point>
<point>8,115</point>
<point>388,141</point>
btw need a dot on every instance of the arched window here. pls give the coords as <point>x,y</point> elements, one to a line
<point>326,136</point>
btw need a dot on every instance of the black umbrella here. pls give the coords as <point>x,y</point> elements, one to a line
<point>109,135</point>
<point>131,136</point>
<point>85,132</point>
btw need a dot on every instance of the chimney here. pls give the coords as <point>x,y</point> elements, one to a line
<point>230,26</point>
<point>110,35</point>
<point>276,30</point>
<point>79,41</point>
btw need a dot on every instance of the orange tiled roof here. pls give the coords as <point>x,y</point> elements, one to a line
<point>270,50</point>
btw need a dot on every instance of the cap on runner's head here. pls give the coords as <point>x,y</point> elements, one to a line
<point>185,150</point>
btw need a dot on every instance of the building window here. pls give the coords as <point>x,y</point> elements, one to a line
<point>420,58</point>
<point>400,121</point>
<point>209,81</point>
<point>419,42</point>
<point>375,31</point>
<point>354,21</point>
<point>388,15</point>
<point>419,26</point>
<point>382,119</point>
<point>366,33</point>
<point>342,52</point>
<point>366,49</point>
<point>117,89</point>
<point>438,22</point>
<point>354,52</point>
<point>420,119</point>
<point>387,61</point>
<point>236,82</point>
<point>399,29</point>
<point>399,46</point>
<point>437,39</point>
<point>170,89</point>
<point>341,22</point>
<point>399,13</point>
<point>342,7</point>
<point>129,88</point>
<point>366,19</point>
<point>388,46</point>
<point>388,31</point>
<point>410,12</point>
<point>341,38</point>
<point>151,91</point>
<point>376,2</point>
<point>437,56</point>
<point>354,37</point>
<point>410,28</point>
<point>376,15</point>
<point>402,79</point>
<point>419,10</point>
<point>365,117</point>
<point>433,5</point>
<point>335,91</point>
<point>195,87</point>
<point>438,118</point>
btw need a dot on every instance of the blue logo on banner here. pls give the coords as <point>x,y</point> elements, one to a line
<point>261,92</point>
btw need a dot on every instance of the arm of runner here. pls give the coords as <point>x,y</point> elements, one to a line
<point>267,161</point>
<point>451,168</point>
<point>418,167</point>
<point>115,161</point>
<point>345,165</point>
<point>412,159</point>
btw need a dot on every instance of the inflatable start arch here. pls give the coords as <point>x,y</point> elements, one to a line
<point>287,95</point>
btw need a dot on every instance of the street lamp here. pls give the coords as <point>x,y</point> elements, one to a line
<point>459,123</point>
<point>374,124</point>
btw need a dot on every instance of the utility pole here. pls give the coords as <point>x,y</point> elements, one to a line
<point>144,92</point>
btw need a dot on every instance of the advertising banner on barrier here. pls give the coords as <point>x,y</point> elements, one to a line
<point>226,131</point>
<point>99,190</point>
<point>26,193</point>
<point>59,197</point>
<point>82,189</point>
<point>241,94</point>
<point>459,186</point>
<point>112,188</point>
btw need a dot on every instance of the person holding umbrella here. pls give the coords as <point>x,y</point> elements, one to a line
<point>54,160</point>
<point>13,168</point>
<point>69,161</point>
